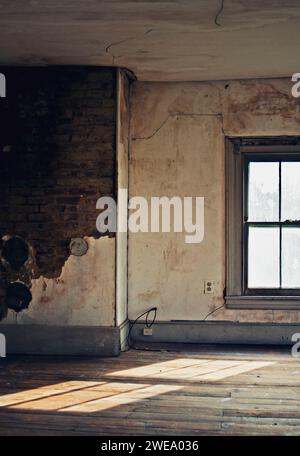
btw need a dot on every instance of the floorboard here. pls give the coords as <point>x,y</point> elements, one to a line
<point>172,390</point>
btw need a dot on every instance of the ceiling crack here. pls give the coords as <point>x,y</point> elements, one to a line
<point>116,43</point>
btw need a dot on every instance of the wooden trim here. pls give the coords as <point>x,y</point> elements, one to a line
<point>234,177</point>
<point>271,149</point>
<point>263,302</point>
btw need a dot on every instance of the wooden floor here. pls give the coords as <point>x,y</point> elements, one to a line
<point>193,391</point>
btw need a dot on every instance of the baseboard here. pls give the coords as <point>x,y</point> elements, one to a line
<point>221,332</point>
<point>106,341</point>
<point>61,340</point>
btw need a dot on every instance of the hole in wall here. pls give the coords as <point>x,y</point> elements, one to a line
<point>18,296</point>
<point>16,252</point>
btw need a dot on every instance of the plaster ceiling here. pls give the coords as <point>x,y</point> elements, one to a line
<point>174,40</point>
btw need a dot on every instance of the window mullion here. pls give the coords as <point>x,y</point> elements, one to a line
<point>280,230</point>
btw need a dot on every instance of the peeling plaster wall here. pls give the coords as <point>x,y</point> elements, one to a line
<point>177,149</point>
<point>57,156</point>
<point>83,295</point>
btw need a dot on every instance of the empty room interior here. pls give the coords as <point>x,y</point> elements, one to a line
<point>150,218</point>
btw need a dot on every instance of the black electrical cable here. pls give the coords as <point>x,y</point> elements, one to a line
<point>212,312</point>
<point>148,324</point>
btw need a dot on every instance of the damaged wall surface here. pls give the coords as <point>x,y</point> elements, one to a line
<point>57,157</point>
<point>177,149</point>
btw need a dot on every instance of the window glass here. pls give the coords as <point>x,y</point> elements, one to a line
<point>263,192</point>
<point>290,191</point>
<point>263,257</point>
<point>290,257</point>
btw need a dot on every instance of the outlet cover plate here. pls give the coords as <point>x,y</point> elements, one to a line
<point>209,287</point>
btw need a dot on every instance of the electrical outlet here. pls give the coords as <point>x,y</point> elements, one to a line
<point>147,332</point>
<point>209,286</point>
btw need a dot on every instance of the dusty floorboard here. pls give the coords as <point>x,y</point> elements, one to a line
<point>179,391</point>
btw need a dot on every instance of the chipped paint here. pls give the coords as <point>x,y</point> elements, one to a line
<point>84,294</point>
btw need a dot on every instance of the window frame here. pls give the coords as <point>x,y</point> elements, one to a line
<point>239,151</point>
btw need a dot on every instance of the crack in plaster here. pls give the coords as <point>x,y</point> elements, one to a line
<point>124,41</point>
<point>174,115</point>
<point>219,13</point>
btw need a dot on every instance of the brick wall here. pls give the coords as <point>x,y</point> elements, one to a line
<point>57,156</point>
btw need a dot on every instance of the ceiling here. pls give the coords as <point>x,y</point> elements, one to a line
<point>175,40</point>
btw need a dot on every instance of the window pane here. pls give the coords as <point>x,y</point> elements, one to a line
<point>290,257</point>
<point>263,192</point>
<point>263,257</point>
<point>290,191</point>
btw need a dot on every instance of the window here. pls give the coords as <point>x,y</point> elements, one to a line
<point>263,223</point>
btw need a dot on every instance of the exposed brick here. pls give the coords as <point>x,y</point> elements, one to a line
<point>59,124</point>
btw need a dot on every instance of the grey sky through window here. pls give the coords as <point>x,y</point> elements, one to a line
<point>273,249</point>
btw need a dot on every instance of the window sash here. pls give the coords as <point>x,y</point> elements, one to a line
<point>268,291</point>
<point>238,151</point>
<point>271,158</point>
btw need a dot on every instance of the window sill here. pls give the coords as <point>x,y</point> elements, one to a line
<point>263,302</point>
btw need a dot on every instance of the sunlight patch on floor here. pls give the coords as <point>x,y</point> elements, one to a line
<point>160,378</point>
<point>88,400</point>
<point>191,369</point>
<point>44,392</point>
<point>130,397</point>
